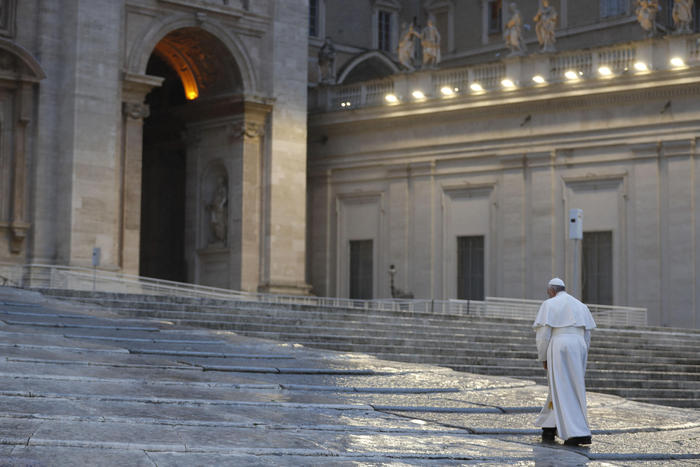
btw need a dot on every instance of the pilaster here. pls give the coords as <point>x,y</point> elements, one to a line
<point>134,111</point>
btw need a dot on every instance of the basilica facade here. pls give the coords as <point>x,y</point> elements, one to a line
<point>168,134</point>
<point>425,148</point>
<point>456,180</point>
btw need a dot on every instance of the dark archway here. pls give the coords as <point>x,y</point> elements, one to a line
<point>198,69</point>
<point>163,179</point>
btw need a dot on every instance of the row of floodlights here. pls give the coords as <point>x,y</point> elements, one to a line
<point>570,75</point>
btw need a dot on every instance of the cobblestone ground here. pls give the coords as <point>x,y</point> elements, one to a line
<point>81,386</point>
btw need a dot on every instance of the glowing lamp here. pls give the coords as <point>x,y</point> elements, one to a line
<point>571,75</point>
<point>507,83</point>
<point>677,62</point>
<point>605,71</point>
<point>447,91</point>
<point>641,66</point>
<point>391,98</point>
<point>539,79</point>
<point>476,87</point>
<point>418,94</point>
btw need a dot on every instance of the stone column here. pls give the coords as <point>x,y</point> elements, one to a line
<point>246,215</point>
<point>134,110</point>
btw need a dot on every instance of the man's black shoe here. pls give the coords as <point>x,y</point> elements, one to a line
<point>578,440</point>
<point>548,434</point>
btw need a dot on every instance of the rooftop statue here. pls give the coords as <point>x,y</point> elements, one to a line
<point>646,15</point>
<point>682,16</point>
<point>430,41</point>
<point>513,33</point>
<point>326,62</point>
<point>545,24</point>
<point>407,46</point>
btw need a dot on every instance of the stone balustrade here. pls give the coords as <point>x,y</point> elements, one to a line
<point>532,72</point>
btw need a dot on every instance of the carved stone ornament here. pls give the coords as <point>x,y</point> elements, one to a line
<point>136,110</point>
<point>247,129</point>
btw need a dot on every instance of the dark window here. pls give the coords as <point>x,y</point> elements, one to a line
<point>495,16</point>
<point>384,30</point>
<point>597,271</point>
<point>470,268</point>
<point>361,259</point>
<point>612,8</point>
<point>313,18</point>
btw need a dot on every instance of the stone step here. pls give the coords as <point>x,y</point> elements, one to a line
<point>337,336</point>
<point>377,320</point>
<point>651,364</point>
<point>673,402</point>
<point>468,327</point>
<point>233,304</point>
<point>461,353</point>
<point>452,352</point>
<point>634,393</point>
<point>600,339</point>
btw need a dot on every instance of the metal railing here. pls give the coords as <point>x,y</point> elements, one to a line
<point>86,279</point>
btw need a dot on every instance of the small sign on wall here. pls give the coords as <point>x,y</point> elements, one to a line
<point>576,224</point>
<point>96,253</point>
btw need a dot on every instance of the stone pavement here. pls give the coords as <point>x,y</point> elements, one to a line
<point>83,386</point>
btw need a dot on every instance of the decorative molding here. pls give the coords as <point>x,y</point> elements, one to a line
<point>223,8</point>
<point>468,190</point>
<point>8,20</point>
<point>19,233</point>
<point>136,110</point>
<point>246,129</point>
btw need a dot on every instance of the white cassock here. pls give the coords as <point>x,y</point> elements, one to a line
<point>563,327</point>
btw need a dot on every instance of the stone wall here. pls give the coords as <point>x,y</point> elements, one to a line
<point>509,167</point>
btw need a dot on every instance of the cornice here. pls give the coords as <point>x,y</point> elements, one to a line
<point>565,96</point>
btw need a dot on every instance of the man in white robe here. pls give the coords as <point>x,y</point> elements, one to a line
<point>563,327</point>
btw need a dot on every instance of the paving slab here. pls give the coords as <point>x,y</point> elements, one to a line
<point>83,386</point>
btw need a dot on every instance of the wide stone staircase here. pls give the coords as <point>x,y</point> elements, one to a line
<point>646,364</point>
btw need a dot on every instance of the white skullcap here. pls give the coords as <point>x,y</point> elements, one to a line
<point>557,281</point>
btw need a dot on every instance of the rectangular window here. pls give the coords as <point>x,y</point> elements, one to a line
<point>495,20</point>
<point>313,18</point>
<point>361,267</point>
<point>597,268</point>
<point>610,8</point>
<point>384,30</point>
<point>470,268</point>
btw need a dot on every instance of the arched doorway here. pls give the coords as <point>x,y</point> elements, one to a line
<point>162,252</point>
<point>180,219</point>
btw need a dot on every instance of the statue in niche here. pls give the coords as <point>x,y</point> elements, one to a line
<point>326,62</point>
<point>430,42</point>
<point>407,45</point>
<point>513,33</point>
<point>682,16</point>
<point>218,212</point>
<point>545,24</point>
<point>646,15</point>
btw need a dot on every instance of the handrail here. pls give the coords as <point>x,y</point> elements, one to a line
<point>81,278</point>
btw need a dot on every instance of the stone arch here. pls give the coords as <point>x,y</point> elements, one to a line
<point>160,28</point>
<point>30,69</point>
<point>383,65</point>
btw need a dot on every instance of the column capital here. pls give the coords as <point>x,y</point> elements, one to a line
<point>246,129</point>
<point>135,110</point>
